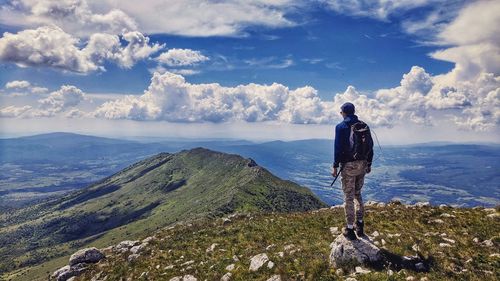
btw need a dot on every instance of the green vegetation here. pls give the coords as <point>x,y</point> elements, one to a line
<point>144,197</point>
<point>183,249</point>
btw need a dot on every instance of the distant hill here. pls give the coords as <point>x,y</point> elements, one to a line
<point>148,195</point>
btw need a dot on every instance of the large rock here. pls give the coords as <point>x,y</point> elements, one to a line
<point>258,261</point>
<point>66,272</point>
<point>87,255</point>
<point>78,263</point>
<point>347,252</point>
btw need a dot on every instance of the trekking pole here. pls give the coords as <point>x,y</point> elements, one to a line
<point>338,174</point>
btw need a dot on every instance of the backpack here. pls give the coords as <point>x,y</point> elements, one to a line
<point>361,141</point>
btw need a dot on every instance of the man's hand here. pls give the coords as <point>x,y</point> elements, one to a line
<point>334,172</point>
<point>368,169</point>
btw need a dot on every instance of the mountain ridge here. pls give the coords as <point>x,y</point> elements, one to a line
<point>150,194</point>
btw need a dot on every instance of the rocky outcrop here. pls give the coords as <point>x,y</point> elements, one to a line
<point>88,255</point>
<point>78,263</point>
<point>346,253</point>
<point>357,252</point>
<point>257,261</point>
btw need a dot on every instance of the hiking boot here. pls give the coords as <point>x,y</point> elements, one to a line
<point>360,229</point>
<point>349,233</point>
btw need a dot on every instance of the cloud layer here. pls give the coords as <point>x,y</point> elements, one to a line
<point>50,46</point>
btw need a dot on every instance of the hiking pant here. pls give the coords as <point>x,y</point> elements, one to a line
<point>353,176</point>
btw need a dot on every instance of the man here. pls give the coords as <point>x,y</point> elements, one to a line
<point>354,154</point>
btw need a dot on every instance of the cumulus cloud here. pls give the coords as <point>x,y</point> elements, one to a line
<point>67,96</point>
<point>204,18</point>
<point>14,111</point>
<point>50,46</point>
<point>17,84</point>
<point>181,57</point>
<point>23,87</point>
<point>74,16</point>
<point>65,99</point>
<point>420,99</point>
<point>474,40</point>
<point>169,97</point>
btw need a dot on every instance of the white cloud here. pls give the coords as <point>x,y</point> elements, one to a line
<point>66,98</point>
<point>17,84</point>
<point>474,40</point>
<point>169,97</point>
<point>74,16</point>
<point>378,9</point>
<point>270,62</point>
<point>181,57</point>
<point>14,111</point>
<point>421,99</point>
<point>203,18</point>
<point>14,87</point>
<point>50,46</point>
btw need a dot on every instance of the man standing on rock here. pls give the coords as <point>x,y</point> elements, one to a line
<point>354,154</point>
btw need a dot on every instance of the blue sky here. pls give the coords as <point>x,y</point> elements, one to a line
<point>329,52</point>
<point>406,64</point>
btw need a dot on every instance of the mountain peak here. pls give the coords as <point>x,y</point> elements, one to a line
<point>153,193</point>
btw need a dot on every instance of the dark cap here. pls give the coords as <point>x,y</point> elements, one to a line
<point>347,108</point>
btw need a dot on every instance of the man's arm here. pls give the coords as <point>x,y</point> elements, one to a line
<point>337,147</point>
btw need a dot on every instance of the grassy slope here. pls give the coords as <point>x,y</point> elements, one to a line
<point>144,197</point>
<point>248,235</point>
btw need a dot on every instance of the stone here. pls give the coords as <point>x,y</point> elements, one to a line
<point>257,261</point>
<point>281,254</point>
<point>350,279</point>
<point>290,249</point>
<point>422,204</point>
<point>212,247</point>
<point>443,245</point>
<point>66,272</point>
<point>230,267</point>
<point>87,255</point>
<point>410,278</point>
<point>148,239</point>
<point>270,247</point>
<point>137,249</point>
<point>235,258</point>
<point>274,278</point>
<point>488,243</point>
<point>375,234</point>
<point>371,203</point>
<point>132,257</point>
<point>451,241</point>
<point>360,270</point>
<point>334,230</point>
<point>446,215</point>
<point>226,277</point>
<point>360,251</point>
<point>184,278</point>
<point>270,264</point>
<point>495,255</point>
